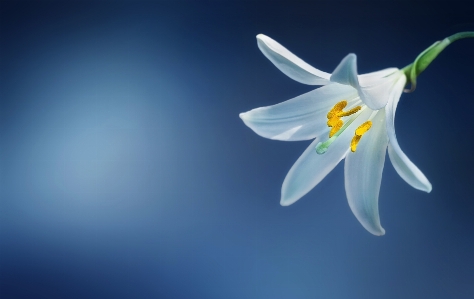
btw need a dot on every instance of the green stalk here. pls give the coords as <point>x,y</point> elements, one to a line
<point>412,71</point>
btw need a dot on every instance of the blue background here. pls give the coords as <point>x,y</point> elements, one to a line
<point>125,171</point>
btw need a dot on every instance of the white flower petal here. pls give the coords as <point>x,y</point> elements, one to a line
<point>311,167</point>
<point>363,175</point>
<point>300,118</point>
<point>373,88</point>
<point>290,64</point>
<point>372,78</point>
<point>405,168</point>
<point>346,72</point>
<point>375,92</point>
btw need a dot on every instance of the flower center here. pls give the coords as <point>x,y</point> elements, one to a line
<point>338,126</point>
<point>334,116</point>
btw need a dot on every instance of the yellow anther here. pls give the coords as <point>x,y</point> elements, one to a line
<point>350,112</point>
<point>337,109</point>
<point>336,125</point>
<point>334,116</point>
<point>361,130</point>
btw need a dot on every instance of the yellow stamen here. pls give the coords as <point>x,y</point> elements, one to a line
<point>337,109</point>
<point>336,125</point>
<point>361,130</point>
<point>350,112</point>
<point>334,116</point>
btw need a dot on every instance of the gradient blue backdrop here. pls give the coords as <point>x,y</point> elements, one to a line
<point>125,171</point>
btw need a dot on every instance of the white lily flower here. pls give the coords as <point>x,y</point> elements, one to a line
<point>352,116</point>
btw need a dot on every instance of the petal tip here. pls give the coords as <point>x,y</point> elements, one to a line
<point>244,116</point>
<point>287,200</point>
<point>263,39</point>
<point>284,202</point>
<point>351,56</point>
<point>346,72</point>
<point>428,188</point>
<point>381,233</point>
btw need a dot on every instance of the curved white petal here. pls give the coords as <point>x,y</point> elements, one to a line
<point>405,168</point>
<point>311,167</point>
<point>346,72</point>
<point>300,118</point>
<point>290,64</point>
<point>363,175</point>
<point>372,78</point>
<point>373,88</point>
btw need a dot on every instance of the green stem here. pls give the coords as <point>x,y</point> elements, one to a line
<point>427,56</point>
<point>460,35</point>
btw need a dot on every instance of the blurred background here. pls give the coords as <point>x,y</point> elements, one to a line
<point>125,171</point>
